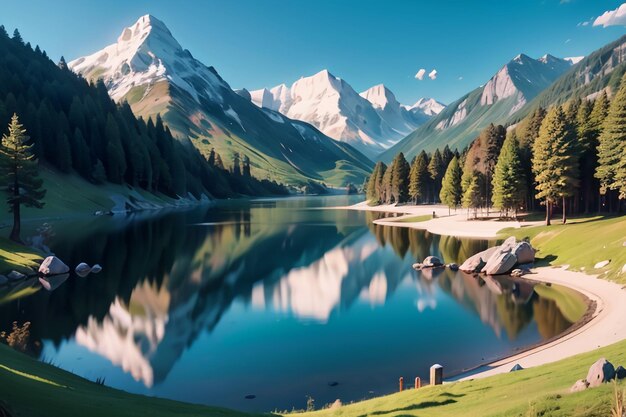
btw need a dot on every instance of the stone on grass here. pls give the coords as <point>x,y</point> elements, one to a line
<point>82,269</point>
<point>524,253</point>
<point>95,269</point>
<point>3,280</point>
<point>432,261</point>
<point>602,264</point>
<point>53,266</point>
<point>579,385</point>
<point>601,371</point>
<point>620,372</point>
<point>453,267</point>
<point>337,404</point>
<point>517,367</point>
<point>15,276</point>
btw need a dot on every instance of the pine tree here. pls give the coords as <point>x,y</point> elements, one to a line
<point>236,167</point>
<point>386,196</point>
<point>246,166</point>
<point>218,161</point>
<point>211,159</point>
<point>436,170</point>
<point>472,197</point>
<point>17,37</point>
<point>374,182</point>
<point>587,144</point>
<point>554,160</point>
<point>19,171</point>
<point>491,140</point>
<point>418,178</point>
<point>451,192</point>
<point>509,185</point>
<point>612,143</point>
<point>400,179</point>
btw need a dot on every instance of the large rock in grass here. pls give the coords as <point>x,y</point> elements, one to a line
<point>53,266</point>
<point>601,371</point>
<point>620,372</point>
<point>524,253</point>
<point>500,264</point>
<point>579,385</point>
<point>476,262</point>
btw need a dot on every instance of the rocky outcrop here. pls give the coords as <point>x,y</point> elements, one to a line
<point>501,259</point>
<point>579,385</point>
<point>83,269</point>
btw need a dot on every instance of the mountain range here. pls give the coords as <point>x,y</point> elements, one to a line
<point>371,121</point>
<point>319,128</point>
<point>151,71</point>
<point>506,93</point>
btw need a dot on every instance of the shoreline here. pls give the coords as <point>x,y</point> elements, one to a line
<point>454,224</point>
<point>603,327</point>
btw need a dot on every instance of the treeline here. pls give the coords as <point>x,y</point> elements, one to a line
<point>419,182</point>
<point>76,128</point>
<point>570,158</point>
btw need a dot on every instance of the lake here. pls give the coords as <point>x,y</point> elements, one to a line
<point>256,305</point>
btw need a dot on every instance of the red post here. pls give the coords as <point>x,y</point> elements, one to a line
<point>418,382</point>
<point>401,383</point>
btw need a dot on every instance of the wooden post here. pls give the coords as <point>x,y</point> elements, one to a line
<point>418,382</point>
<point>401,381</point>
<point>436,374</point>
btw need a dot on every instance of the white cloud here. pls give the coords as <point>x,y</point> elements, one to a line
<point>615,17</point>
<point>433,74</point>
<point>460,78</point>
<point>568,40</point>
<point>420,74</point>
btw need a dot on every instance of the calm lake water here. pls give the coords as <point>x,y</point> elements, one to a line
<point>276,299</point>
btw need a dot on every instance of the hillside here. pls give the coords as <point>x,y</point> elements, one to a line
<point>504,95</point>
<point>602,69</point>
<point>150,70</point>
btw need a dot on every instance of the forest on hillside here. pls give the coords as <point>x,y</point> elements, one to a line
<point>569,158</point>
<point>76,128</point>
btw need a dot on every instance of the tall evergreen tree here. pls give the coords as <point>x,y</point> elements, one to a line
<point>554,160</point>
<point>418,178</point>
<point>211,159</point>
<point>472,197</point>
<point>400,179</point>
<point>236,167</point>
<point>451,192</point>
<point>372,191</point>
<point>491,141</point>
<point>386,196</point>
<point>246,166</point>
<point>19,172</point>
<point>612,142</point>
<point>509,185</point>
<point>436,170</point>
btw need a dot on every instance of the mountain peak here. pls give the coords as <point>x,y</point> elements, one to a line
<point>144,26</point>
<point>379,95</point>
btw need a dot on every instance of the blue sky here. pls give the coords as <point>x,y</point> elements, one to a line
<point>254,43</point>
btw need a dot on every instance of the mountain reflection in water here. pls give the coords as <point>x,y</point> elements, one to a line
<point>276,298</point>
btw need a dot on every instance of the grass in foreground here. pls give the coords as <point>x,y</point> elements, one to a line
<point>539,391</point>
<point>581,243</point>
<point>17,257</point>
<point>31,388</point>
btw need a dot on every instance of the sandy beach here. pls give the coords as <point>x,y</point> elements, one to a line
<point>606,326</point>
<point>444,223</point>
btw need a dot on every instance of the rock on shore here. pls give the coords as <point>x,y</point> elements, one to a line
<point>500,259</point>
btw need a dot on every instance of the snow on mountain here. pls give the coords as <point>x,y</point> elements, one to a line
<point>505,93</point>
<point>150,70</point>
<point>371,121</point>
<point>574,59</point>
<point>146,53</point>
<point>427,106</point>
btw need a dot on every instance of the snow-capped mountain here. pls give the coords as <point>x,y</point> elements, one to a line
<point>504,94</point>
<point>150,70</point>
<point>428,107</point>
<point>371,121</point>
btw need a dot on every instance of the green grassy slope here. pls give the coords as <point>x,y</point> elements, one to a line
<point>17,257</point>
<point>581,243</point>
<point>31,389</point>
<point>539,391</point>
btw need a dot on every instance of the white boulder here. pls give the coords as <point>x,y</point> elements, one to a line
<point>53,266</point>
